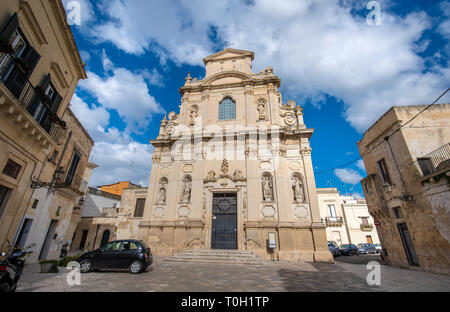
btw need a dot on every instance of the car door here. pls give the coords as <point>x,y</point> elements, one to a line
<point>128,252</point>
<point>108,256</point>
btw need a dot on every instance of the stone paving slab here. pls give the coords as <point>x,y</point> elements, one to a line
<point>166,276</point>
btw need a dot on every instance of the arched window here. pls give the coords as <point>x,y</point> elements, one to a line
<point>227,109</point>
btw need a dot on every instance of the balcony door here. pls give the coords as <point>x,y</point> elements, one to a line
<point>73,168</point>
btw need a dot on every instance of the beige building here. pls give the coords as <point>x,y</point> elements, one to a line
<point>39,70</point>
<point>233,166</point>
<point>347,219</point>
<point>407,155</point>
<point>104,213</point>
<point>359,224</point>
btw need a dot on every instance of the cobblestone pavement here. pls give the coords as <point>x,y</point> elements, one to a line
<point>271,276</point>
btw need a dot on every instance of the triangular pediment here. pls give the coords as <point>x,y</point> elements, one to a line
<point>229,54</point>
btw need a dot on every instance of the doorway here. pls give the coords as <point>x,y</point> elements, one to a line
<point>369,239</point>
<point>408,244</point>
<point>48,240</point>
<point>105,238</point>
<point>224,221</point>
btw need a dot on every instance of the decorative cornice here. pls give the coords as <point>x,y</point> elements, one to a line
<point>31,19</point>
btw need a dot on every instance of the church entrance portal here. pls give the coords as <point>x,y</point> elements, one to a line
<point>224,221</point>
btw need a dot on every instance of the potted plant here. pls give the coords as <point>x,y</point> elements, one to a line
<point>49,266</point>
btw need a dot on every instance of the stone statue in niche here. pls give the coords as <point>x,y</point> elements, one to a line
<point>193,114</point>
<point>267,188</point>
<point>162,195</point>
<point>298,189</point>
<point>262,109</point>
<point>187,188</point>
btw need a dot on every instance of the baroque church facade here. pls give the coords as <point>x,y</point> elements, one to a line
<point>233,166</point>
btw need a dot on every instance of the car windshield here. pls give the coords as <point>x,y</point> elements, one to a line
<point>345,246</point>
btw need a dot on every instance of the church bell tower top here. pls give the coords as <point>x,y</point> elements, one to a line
<point>229,60</point>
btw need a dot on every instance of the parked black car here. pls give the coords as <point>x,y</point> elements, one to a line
<point>348,249</point>
<point>132,254</point>
<point>333,249</point>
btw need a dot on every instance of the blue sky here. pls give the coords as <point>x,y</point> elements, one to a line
<point>342,71</point>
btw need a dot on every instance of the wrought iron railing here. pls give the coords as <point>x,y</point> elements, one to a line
<point>366,227</point>
<point>15,80</point>
<point>334,221</point>
<point>74,182</point>
<point>436,161</point>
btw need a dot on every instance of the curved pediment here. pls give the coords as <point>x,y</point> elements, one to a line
<point>227,77</point>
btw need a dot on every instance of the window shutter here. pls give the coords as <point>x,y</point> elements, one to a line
<point>10,28</point>
<point>31,57</point>
<point>56,103</point>
<point>46,82</point>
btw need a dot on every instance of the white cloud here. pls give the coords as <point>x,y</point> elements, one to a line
<point>349,176</point>
<point>360,165</point>
<point>121,162</point>
<point>86,11</point>
<point>119,157</point>
<point>316,47</point>
<point>126,92</point>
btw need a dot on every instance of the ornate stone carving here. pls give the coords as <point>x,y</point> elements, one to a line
<point>183,211</point>
<point>248,90</point>
<point>224,167</point>
<point>156,159</point>
<point>267,187</point>
<point>298,189</point>
<point>211,176</point>
<point>158,212</point>
<point>269,211</point>
<point>237,175</point>
<point>187,188</point>
<point>205,95</point>
<point>301,212</point>
<point>305,151</point>
<point>162,195</point>
<point>262,109</point>
<point>193,114</point>
<point>188,168</point>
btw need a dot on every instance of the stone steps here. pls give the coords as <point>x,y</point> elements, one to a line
<point>217,256</point>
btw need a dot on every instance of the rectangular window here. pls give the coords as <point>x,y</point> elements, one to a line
<point>4,192</point>
<point>73,168</point>
<point>426,165</point>
<point>139,210</point>
<point>332,211</point>
<point>365,220</point>
<point>17,64</point>
<point>397,212</point>
<point>12,169</point>
<point>384,172</point>
<point>35,204</point>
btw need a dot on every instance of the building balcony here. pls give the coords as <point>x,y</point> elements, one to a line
<point>366,227</point>
<point>74,185</point>
<point>25,105</point>
<point>334,221</point>
<point>435,163</point>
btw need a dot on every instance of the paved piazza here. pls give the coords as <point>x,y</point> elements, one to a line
<point>347,274</point>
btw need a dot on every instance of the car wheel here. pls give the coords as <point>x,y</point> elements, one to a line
<point>85,266</point>
<point>136,267</point>
<point>63,253</point>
